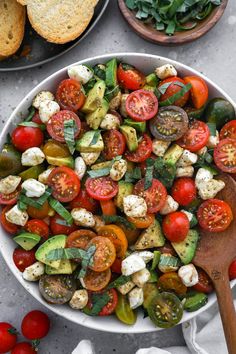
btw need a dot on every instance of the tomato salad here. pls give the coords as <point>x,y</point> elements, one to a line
<point>106,184</point>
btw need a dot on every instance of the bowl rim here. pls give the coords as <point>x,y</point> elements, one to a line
<point>92,324</point>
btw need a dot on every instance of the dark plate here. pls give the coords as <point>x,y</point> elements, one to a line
<point>36,51</point>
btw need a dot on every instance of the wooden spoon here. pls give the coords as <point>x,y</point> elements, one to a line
<point>215,253</point>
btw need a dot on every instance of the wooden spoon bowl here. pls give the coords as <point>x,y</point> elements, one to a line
<point>147,31</point>
<point>214,254</point>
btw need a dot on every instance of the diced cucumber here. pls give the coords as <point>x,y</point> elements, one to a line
<point>195,302</point>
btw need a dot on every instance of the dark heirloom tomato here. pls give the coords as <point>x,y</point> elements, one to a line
<point>96,281</point>
<point>80,238</point>
<point>104,255</point>
<point>175,226</point>
<point>117,237</point>
<point>199,90</point>
<point>58,226</point>
<point>23,259</point>
<point>24,138</point>
<point>155,196</point>
<point>172,89</point>
<point>143,151</point>
<point>225,155</point>
<point>171,281</point>
<point>65,184</point>
<point>55,125</point>
<point>35,325</point>
<point>8,337</point>
<point>228,130</point>
<point>8,226</point>
<point>170,124</point>
<point>114,144</point>
<point>204,284</point>
<point>196,136</point>
<point>9,199</point>
<point>83,200</point>
<point>38,227</point>
<point>214,215</point>
<point>141,105</point>
<point>184,190</point>
<point>101,188</point>
<point>129,77</point>
<point>69,95</point>
<point>57,289</point>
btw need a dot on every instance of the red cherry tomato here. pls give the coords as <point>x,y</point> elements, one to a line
<point>39,227</point>
<point>129,77</point>
<point>101,188</point>
<point>214,215</point>
<point>225,155</point>
<point>58,226</point>
<point>23,348</point>
<point>172,89</point>
<point>65,184</point>
<point>204,284</point>
<point>8,226</point>
<point>83,200</point>
<point>109,308</point>
<point>8,337</point>
<point>196,136</point>
<point>116,266</point>
<point>36,118</point>
<point>141,105</point>
<point>199,90</point>
<point>35,325</point>
<point>69,95</point>
<point>228,130</point>
<point>155,196</point>
<point>143,151</point>
<point>9,199</point>
<point>175,226</point>
<point>114,144</point>
<point>55,125</point>
<point>23,259</point>
<point>184,190</point>
<point>108,207</point>
<point>232,270</point>
<point>24,138</point>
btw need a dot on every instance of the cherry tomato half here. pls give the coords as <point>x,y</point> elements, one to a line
<point>204,284</point>
<point>225,155</point>
<point>8,226</point>
<point>35,325</point>
<point>65,184</point>
<point>141,105</point>
<point>8,337</point>
<point>104,255</point>
<point>23,348</point>
<point>172,89</point>
<point>96,281</point>
<point>142,223</point>
<point>143,151</point>
<point>129,77</point>
<point>108,207</point>
<point>116,266</point>
<point>39,227</point>
<point>214,215</point>
<point>23,259</point>
<point>69,95</point>
<point>80,238</point>
<point>232,270</point>
<point>228,130</point>
<point>9,199</point>
<point>117,237</point>
<point>110,307</point>
<point>171,281</point>
<point>58,226</point>
<point>41,213</point>
<point>184,190</point>
<point>114,144</point>
<point>36,118</point>
<point>199,90</point>
<point>196,136</point>
<point>24,138</point>
<point>155,196</point>
<point>101,188</point>
<point>175,226</point>
<point>83,200</point>
<point>55,125</point>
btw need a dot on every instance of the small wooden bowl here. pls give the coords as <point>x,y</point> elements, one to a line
<point>146,31</point>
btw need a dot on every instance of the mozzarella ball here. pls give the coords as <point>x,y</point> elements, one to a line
<point>123,105</point>
<point>79,299</point>
<point>147,256</point>
<point>43,177</point>
<point>141,277</point>
<point>80,73</point>
<point>187,171</point>
<point>32,157</point>
<point>9,184</point>
<point>33,272</point>
<point>90,157</point>
<point>170,206</point>
<point>159,147</point>
<point>188,274</point>
<point>33,188</point>
<point>132,264</point>
<point>118,169</point>
<point>80,167</point>
<point>82,217</point>
<point>47,109</point>
<point>134,206</point>
<point>209,189</point>
<point>125,288</point>
<point>110,121</point>
<point>187,159</point>
<point>17,216</point>
<point>135,298</point>
<point>41,97</point>
<point>165,71</point>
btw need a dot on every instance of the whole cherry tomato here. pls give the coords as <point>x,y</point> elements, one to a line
<point>24,138</point>
<point>8,337</point>
<point>23,348</point>
<point>35,325</point>
<point>175,226</point>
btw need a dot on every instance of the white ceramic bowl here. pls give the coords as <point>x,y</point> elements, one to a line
<point>146,63</point>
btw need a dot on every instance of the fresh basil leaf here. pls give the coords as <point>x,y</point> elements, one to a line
<point>86,261</point>
<point>123,279</point>
<point>134,175</point>
<point>112,219</point>
<point>66,253</point>
<point>98,302</point>
<point>34,202</point>
<point>165,86</point>
<point>61,210</point>
<point>33,124</point>
<point>69,134</point>
<point>96,137</point>
<point>100,73</point>
<point>99,173</point>
<point>164,171</point>
<point>171,100</point>
<point>149,173</point>
<point>31,114</point>
<point>212,128</point>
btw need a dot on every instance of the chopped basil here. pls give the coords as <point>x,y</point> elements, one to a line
<point>89,85</point>
<point>30,115</point>
<point>164,171</point>
<point>149,173</point>
<point>61,210</point>
<point>165,86</point>
<point>212,128</point>
<point>134,175</point>
<point>123,279</point>
<point>33,124</point>
<point>98,302</point>
<point>87,260</point>
<point>96,137</point>
<point>69,134</point>
<point>171,100</point>
<point>153,276</point>
<point>120,219</point>
<point>111,93</point>
<point>37,203</point>
<point>99,173</point>
<point>100,73</point>
<point>21,205</point>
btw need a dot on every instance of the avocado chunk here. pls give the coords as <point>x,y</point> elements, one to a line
<point>95,118</point>
<point>66,267</point>
<point>219,111</point>
<point>150,291</point>
<point>187,248</point>
<point>100,165</point>
<point>111,73</point>
<point>10,161</point>
<point>91,141</point>
<point>139,126</point>
<point>130,137</point>
<point>61,161</point>
<point>124,189</point>
<point>52,243</point>
<point>94,98</point>
<point>173,154</point>
<point>151,237</point>
<point>27,240</point>
<point>32,172</point>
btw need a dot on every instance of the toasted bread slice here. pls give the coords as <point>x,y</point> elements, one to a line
<point>60,21</point>
<point>12,27</point>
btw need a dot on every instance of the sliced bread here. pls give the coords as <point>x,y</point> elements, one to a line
<point>60,21</point>
<point>12,27</point>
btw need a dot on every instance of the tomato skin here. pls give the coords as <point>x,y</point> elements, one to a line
<point>24,138</point>
<point>129,77</point>
<point>117,236</point>
<point>96,281</point>
<point>83,200</point>
<point>142,223</point>
<point>171,281</point>
<point>80,238</point>
<point>69,95</point>
<point>104,255</point>
<point>228,130</point>
<point>35,325</point>
<point>199,90</point>
<point>39,227</point>
<point>35,213</point>
<point>101,188</point>
<point>143,151</point>
<point>173,89</point>
<point>114,144</point>
<point>7,337</point>
<point>214,215</point>
<point>23,259</point>
<point>175,226</point>
<point>109,308</point>
<point>204,284</point>
<point>23,348</point>
<point>116,266</point>
<point>36,118</point>
<point>184,191</point>
<point>225,155</point>
<point>8,226</point>
<point>108,207</point>
<point>141,105</point>
<point>9,199</point>
<point>196,136</point>
<point>232,270</point>
<point>58,229</point>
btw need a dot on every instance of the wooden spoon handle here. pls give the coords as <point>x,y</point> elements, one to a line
<point>226,307</point>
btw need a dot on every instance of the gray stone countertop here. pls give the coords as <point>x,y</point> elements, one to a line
<point>214,55</point>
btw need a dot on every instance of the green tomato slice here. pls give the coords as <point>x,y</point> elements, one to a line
<point>124,312</point>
